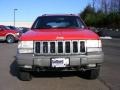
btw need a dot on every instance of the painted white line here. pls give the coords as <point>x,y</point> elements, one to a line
<point>106,37</point>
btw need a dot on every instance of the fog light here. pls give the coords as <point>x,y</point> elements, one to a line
<point>27,66</point>
<point>91,65</point>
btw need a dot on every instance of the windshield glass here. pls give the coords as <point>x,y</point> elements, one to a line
<point>11,27</point>
<point>6,27</point>
<point>57,22</point>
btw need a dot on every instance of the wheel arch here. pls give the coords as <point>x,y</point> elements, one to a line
<point>9,34</point>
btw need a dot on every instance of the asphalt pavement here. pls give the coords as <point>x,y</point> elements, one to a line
<point>110,72</point>
<point>109,78</point>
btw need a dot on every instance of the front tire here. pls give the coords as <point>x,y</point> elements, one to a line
<point>24,76</point>
<point>93,73</point>
<point>10,39</point>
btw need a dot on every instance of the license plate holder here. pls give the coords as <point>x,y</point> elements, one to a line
<point>59,62</point>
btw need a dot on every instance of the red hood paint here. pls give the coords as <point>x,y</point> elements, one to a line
<point>59,34</point>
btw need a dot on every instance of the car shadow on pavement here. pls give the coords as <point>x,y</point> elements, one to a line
<point>46,74</point>
<point>2,42</point>
<point>8,43</point>
<point>56,74</point>
<point>53,74</point>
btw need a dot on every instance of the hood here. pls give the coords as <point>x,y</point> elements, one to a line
<point>59,34</point>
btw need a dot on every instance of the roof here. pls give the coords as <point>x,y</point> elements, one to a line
<point>1,25</point>
<point>59,15</point>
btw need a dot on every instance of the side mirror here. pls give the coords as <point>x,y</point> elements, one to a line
<point>90,28</point>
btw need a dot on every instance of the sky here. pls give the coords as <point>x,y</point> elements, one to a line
<point>29,10</point>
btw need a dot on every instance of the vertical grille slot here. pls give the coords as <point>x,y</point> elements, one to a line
<point>52,47</point>
<point>67,47</point>
<point>37,47</point>
<point>45,47</point>
<point>82,46</point>
<point>60,47</point>
<point>75,47</point>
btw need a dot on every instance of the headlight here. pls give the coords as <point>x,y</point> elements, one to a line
<point>94,46</point>
<point>23,50</point>
<point>17,34</point>
<point>93,43</point>
<point>25,47</point>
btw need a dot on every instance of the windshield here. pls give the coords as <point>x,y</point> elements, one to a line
<point>57,22</point>
<point>11,27</point>
<point>6,27</point>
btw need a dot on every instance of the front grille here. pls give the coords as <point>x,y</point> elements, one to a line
<point>59,47</point>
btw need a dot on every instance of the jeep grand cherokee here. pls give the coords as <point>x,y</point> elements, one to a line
<point>59,43</point>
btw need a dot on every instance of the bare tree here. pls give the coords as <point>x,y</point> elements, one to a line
<point>93,4</point>
<point>119,5</point>
<point>113,6</point>
<point>105,6</point>
<point>110,6</point>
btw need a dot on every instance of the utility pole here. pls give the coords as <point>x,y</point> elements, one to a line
<point>14,15</point>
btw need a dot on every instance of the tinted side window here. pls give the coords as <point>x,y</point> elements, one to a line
<point>1,28</point>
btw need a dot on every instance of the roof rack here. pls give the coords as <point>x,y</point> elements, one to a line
<point>58,14</point>
<point>44,14</point>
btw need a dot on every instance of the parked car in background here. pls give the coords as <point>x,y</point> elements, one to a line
<point>12,27</point>
<point>8,34</point>
<point>23,29</point>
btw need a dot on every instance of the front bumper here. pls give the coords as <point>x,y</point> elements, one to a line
<point>30,60</point>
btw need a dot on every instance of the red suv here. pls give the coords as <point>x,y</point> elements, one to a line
<point>8,35</point>
<point>59,43</point>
